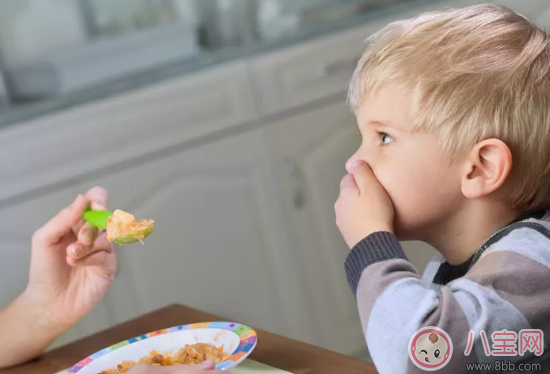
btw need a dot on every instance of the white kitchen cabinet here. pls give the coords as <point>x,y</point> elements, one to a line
<point>307,72</point>
<point>118,129</point>
<point>218,243</point>
<point>310,151</point>
<point>312,70</point>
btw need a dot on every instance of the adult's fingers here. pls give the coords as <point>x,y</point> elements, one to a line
<point>62,223</point>
<point>97,196</point>
<point>95,259</point>
<point>77,251</point>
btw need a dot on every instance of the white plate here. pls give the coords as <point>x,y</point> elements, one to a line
<point>238,340</point>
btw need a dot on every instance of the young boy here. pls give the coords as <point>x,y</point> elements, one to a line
<point>454,112</point>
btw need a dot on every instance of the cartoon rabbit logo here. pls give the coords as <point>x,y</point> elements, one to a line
<point>430,348</point>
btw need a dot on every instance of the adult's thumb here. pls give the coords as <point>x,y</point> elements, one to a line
<point>62,223</point>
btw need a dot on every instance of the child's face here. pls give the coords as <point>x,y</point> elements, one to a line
<point>422,186</point>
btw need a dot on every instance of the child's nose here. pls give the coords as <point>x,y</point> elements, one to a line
<point>348,164</point>
<point>357,157</point>
<point>351,161</point>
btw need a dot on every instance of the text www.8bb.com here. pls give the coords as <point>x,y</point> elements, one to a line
<point>504,366</point>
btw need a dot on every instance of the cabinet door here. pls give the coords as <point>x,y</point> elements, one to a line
<point>115,130</point>
<point>310,152</point>
<point>218,244</point>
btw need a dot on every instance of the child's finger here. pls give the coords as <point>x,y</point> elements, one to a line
<point>146,369</point>
<point>203,367</point>
<point>207,365</point>
<point>363,175</point>
<point>348,182</point>
<point>62,223</point>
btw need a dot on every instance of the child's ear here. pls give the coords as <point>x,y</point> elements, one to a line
<point>487,167</point>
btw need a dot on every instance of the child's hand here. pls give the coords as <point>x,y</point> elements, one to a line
<point>363,206</point>
<point>72,263</point>
<point>202,368</point>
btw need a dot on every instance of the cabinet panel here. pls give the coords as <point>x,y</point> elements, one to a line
<point>218,243</point>
<point>63,145</point>
<point>310,151</point>
<point>307,72</point>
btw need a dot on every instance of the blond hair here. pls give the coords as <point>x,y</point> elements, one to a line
<point>473,73</point>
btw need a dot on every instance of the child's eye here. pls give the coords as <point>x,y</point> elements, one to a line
<point>436,353</point>
<point>385,138</point>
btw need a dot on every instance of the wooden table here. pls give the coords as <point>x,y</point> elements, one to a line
<point>272,349</point>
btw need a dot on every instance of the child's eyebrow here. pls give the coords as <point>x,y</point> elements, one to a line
<point>364,125</point>
<point>379,122</point>
<point>383,123</point>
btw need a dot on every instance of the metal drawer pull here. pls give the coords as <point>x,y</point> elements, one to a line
<point>297,177</point>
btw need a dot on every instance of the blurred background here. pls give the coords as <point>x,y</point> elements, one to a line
<point>223,120</point>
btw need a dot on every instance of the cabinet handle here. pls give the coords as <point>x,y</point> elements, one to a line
<point>332,68</point>
<point>297,179</point>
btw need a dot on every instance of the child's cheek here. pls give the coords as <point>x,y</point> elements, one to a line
<point>409,194</point>
<point>396,181</point>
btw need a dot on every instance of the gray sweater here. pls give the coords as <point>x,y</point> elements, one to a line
<point>505,285</point>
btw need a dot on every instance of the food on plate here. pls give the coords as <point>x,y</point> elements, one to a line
<point>123,228</point>
<point>189,355</point>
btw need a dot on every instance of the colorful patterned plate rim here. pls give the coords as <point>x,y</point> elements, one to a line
<point>247,342</point>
